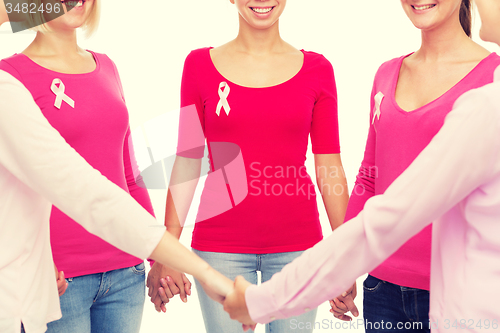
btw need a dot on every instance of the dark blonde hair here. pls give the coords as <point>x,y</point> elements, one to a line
<point>89,26</point>
<point>466,16</point>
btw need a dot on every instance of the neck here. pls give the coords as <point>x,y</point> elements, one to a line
<point>56,43</point>
<point>258,41</point>
<point>442,42</point>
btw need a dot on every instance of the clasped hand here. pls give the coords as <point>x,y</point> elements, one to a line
<point>164,283</point>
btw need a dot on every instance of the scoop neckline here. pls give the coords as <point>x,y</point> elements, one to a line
<point>447,92</point>
<point>96,70</point>
<point>268,87</point>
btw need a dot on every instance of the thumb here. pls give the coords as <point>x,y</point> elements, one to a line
<point>355,311</point>
<point>60,276</point>
<point>239,279</point>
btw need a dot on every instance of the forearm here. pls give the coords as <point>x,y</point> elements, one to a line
<point>182,187</point>
<point>171,253</point>
<point>332,185</point>
<point>171,219</point>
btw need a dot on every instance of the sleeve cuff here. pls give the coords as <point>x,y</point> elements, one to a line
<point>261,304</point>
<point>326,149</point>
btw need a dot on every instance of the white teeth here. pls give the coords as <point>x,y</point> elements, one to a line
<point>424,7</point>
<point>262,10</point>
<point>74,3</point>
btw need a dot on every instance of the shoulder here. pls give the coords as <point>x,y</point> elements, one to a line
<point>198,55</point>
<point>6,79</point>
<point>391,65</point>
<point>483,103</point>
<point>11,89</point>
<point>103,59</point>
<point>319,66</point>
<point>492,61</point>
<point>317,59</point>
<point>14,65</point>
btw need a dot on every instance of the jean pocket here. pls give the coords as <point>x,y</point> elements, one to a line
<point>139,269</point>
<point>371,283</point>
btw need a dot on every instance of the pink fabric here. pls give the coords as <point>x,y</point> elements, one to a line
<point>271,127</point>
<point>98,129</point>
<point>395,139</point>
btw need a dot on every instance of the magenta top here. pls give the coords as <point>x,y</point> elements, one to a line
<point>93,118</point>
<point>272,205</point>
<point>395,139</point>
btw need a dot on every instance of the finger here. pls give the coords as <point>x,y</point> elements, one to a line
<point>336,311</point>
<point>340,305</point>
<point>163,296</point>
<point>63,288</point>
<point>157,304</point>
<point>175,286</point>
<point>151,288</point>
<point>349,303</point>
<point>239,279</point>
<point>166,288</point>
<point>341,316</point>
<point>187,284</point>
<point>179,284</point>
<point>247,327</point>
<point>163,307</point>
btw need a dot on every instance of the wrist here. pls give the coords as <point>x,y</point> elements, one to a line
<point>205,273</point>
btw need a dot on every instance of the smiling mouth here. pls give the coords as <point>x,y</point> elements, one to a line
<point>73,3</point>
<point>262,10</point>
<point>423,7</point>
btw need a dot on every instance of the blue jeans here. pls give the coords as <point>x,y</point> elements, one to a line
<point>389,307</point>
<point>247,265</point>
<point>110,302</point>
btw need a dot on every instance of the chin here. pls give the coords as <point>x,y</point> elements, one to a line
<point>487,36</point>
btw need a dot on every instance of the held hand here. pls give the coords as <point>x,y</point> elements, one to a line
<point>163,283</point>
<point>176,283</point>
<point>236,306</point>
<point>62,285</point>
<point>345,303</point>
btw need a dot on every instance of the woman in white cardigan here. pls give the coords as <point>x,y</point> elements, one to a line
<point>38,169</point>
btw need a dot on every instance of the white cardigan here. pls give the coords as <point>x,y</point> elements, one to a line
<point>37,169</point>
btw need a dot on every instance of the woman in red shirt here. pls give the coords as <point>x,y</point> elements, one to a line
<point>257,99</point>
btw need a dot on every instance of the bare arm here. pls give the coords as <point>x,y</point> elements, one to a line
<point>164,282</point>
<point>332,185</point>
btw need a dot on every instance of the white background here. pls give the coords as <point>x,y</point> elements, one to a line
<point>150,40</point>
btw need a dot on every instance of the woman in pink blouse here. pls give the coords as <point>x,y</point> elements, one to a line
<point>411,96</point>
<point>257,99</point>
